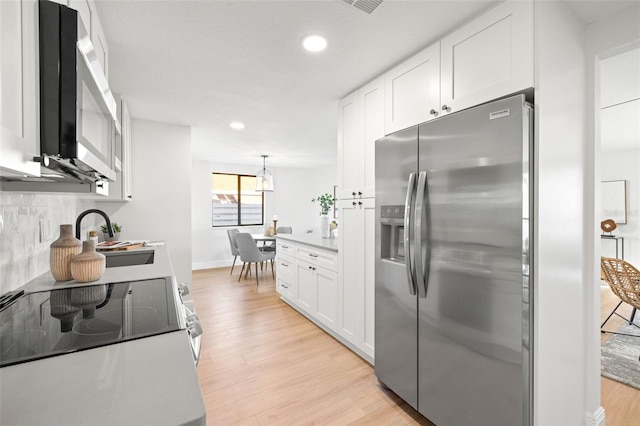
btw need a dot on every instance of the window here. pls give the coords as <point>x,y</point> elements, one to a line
<point>234,200</point>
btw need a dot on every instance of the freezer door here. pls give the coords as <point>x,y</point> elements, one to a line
<point>471,322</point>
<point>396,348</point>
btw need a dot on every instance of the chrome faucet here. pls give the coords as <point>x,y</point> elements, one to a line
<point>86,212</point>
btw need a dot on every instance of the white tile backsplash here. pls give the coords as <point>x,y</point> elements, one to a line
<point>23,256</point>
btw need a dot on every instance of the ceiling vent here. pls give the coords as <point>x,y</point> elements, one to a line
<point>364,5</point>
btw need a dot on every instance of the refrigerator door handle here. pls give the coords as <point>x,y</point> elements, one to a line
<point>422,270</point>
<point>409,262</point>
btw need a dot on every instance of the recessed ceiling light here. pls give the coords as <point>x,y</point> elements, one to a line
<point>237,125</point>
<point>314,43</point>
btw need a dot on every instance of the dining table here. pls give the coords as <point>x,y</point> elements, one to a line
<point>263,237</point>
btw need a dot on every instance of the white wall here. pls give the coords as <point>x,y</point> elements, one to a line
<point>291,201</point>
<point>606,37</point>
<point>625,165</point>
<point>560,383</point>
<point>161,186</point>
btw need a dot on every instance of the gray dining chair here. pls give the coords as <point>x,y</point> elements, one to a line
<point>231,233</point>
<point>250,253</point>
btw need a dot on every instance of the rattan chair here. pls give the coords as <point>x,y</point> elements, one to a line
<point>624,281</point>
<point>249,253</point>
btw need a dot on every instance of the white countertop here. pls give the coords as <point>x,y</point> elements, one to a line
<point>150,381</point>
<point>312,239</point>
<point>161,267</point>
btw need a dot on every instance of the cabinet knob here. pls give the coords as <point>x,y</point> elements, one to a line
<point>359,203</point>
<point>360,193</point>
<point>446,108</point>
<point>353,193</point>
<point>353,202</point>
<point>433,112</point>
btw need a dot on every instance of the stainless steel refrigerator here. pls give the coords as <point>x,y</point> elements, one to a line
<point>452,300</point>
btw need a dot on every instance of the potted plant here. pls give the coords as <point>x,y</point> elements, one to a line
<point>116,231</point>
<point>326,202</point>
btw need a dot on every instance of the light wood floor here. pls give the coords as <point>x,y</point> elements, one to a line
<point>621,403</point>
<point>263,363</point>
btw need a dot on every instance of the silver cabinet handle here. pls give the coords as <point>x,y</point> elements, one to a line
<point>183,289</point>
<point>433,112</point>
<point>409,262</point>
<point>313,255</point>
<point>446,108</point>
<point>195,329</point>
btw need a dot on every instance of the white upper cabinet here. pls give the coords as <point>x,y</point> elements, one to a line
<point>89,16</point>
<point>360,123</point>
<point>348,147</point>
<point>100,44</point>
<point>490,57</point>
<point>413,90</point>
<point>19,116</point>
<point>371,105</point>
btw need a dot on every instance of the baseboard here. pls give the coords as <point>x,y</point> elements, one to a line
<point>195,266</point>
<point>596,418</point>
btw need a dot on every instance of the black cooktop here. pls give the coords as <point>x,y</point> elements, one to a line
<point>50,323</point>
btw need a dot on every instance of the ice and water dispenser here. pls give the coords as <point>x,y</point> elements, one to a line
<point>392,233</point>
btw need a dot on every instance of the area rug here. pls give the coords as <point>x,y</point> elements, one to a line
<point>619,360</point>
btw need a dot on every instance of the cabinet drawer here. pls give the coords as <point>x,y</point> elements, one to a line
<point>285,247</point>
<point>286,267</point>
<point>287,287</point>
<point>318,257</point>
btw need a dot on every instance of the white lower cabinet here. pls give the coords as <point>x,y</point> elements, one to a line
<point>286,277</point>
<point>308,281</point>
<point>356,288</point>
<point>318,292</point>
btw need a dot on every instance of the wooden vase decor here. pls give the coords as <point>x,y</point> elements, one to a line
<point>61,252</point>
<point>88,265</point>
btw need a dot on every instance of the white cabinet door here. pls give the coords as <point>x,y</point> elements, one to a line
<point>306,286</point>
<point>126,160</point>
<point>348,146</point>
<point>371,113</point>
<point>19,117</point>
<point>350,305</point>
<point>120,190</point>
<point>360,123</point>
<point>368,274</point>
<point>412,90</point>
<point>356,293</point>
<point>490,57</point>
<point>327,297</point>
<point>100,43</point>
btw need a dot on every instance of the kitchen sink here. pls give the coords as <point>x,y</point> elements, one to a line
<point>124,258</point>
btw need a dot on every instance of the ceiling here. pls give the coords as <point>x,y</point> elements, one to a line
<point>205,64</point>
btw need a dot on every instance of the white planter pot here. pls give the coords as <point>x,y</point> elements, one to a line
<point>324,226</point>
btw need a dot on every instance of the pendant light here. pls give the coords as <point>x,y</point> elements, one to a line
<point>264,178</point>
